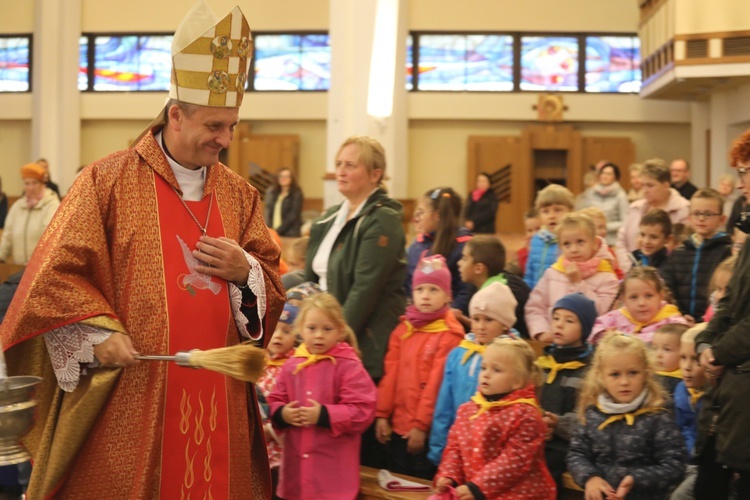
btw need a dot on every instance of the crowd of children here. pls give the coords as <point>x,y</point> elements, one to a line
<point>500,383</point>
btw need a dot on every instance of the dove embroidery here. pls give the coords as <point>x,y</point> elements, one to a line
<point>195,280</point>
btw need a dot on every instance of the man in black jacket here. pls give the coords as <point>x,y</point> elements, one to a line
<point>679,171</point>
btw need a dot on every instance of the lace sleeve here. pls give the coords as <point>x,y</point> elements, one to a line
<point>69,348</point>
<point>257,284</point>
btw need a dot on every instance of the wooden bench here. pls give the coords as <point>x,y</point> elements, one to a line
<point>370,489</point>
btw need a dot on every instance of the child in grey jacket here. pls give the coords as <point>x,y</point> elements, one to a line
<point>629,444</point>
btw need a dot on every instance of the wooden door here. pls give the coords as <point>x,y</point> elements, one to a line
<point>257,157</point>
<point>618,150</point>
<point>502,158</point>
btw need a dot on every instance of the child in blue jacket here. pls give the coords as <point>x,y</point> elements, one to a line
<point>492,310</point>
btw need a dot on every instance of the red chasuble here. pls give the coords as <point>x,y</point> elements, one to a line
<point>113,257</point>
<point>195,460</point>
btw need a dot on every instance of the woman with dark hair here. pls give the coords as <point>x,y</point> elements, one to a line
<point>283,204</point>
<point>438,213</point>
<point>481,207</point>
<point>610,197</point>
<point>3,205</point>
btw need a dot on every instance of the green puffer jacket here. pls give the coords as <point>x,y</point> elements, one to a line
<point>366,272</point>
<point>728,407</point>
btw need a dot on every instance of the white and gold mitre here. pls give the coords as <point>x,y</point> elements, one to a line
<point>210,58</point>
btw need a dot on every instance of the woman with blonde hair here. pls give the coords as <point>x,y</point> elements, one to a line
<point>657,193</point>
<point>356,250</point>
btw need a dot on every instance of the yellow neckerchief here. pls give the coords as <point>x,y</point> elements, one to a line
<point>695,395</point>
<point>548,362</point>
<point>471,348</point>
<point>604,266</point>
<point>276,362</point>
<point>439,325</point>
<point>485,405</point>
<point>665,312</point>
<point>674,373</point>
<point>629,417</point>
<point>302,352</point>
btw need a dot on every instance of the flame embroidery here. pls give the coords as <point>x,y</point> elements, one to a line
<point>214,411</point>
<point>189,475</point>
<point>208,495</point>
<point>185,411</point>
<point>182,493</point>
<point>199,434</point>
<point>207,472</point>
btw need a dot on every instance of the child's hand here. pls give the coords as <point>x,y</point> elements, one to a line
<point>573,273</point>
<point>690,320</point>
<point>268,432</point>
<point>310,414</point>
<point>545,337</point>
<point>382,430</point>
<point>625,486</point>
<point>597,487</point>
<point>442,484</point>
<point>551,420</point>
<point>461,318</point>
<point>415,443</point>
<point>290,414</point>
<point>464,493</point>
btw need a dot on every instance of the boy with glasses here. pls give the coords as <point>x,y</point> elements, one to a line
<point>689,269</point>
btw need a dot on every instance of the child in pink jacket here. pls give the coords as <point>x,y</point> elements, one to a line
<point>644,309</point>
<point>323,401</point>
<point>585,266</point>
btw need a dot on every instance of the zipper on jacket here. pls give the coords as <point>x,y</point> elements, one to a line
<point>694,279</point>
<point>541,267</point>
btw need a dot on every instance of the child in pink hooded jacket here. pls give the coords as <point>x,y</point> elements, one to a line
<point>585,266</point>
<point>644,307</point>
<point>323,400</point>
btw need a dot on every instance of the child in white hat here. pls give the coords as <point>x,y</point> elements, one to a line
<point>493,312</point>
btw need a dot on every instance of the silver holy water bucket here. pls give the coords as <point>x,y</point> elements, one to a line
<point>17,410</point>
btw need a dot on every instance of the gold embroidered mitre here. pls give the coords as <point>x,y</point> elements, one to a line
<point>210,59</point>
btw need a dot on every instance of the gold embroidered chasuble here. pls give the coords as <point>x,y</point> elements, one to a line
<point>100,262</point>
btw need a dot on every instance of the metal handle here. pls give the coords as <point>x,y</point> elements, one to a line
<point>152,357</point>
<point>182,358</point>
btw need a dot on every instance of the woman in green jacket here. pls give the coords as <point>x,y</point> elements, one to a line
<point>357,250</point>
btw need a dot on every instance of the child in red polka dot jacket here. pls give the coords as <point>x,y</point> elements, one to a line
<point>496,445</point>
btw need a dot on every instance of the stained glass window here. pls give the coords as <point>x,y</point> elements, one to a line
<point>83,63</point>
<point>613,64</point>
<point>292,62</point>
<point>465,62</point>
<point>132,62</point>
<point>549,63</point>
<point>409,62</point>
<point>14,64</point>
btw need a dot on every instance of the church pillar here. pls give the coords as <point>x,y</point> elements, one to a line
<point>56,117</point>
<point>368,89</point>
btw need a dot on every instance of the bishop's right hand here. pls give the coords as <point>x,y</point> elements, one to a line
<point>116,352</point>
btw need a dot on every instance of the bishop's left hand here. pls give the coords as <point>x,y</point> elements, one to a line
<point>225,259</point>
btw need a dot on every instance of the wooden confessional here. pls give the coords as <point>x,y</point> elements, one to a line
<point>543,154</point>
